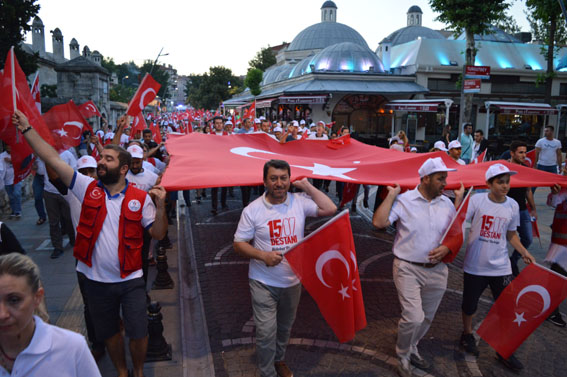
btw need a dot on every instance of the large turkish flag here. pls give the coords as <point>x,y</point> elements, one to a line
<point>522,307</point>
<point>146,92</point>
<point>325,262</point>
<point>199,160</point>
<point>66,124</point>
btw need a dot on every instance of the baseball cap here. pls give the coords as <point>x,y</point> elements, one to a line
<point>257,120</point>
<point>135,151</point>
<point>262,118</point>
<point>228,122</point>
<point>413,149</point>
<point>433,165</point>
<point>278,129</point>
<point>498,169</point>
<point>302,121</point>
<point>294,123</point>
<point>86,162</point>
<point>440,145</point>
<point>454,144</point>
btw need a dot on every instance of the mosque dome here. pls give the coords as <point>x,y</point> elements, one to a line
<point>411,33</point>
<point>415,9</point>
<point>37,21</point>
<point>57,33</point>
<point>325,34</point>
<point>494,35</point>
<point>329,4</point>
<point>343,57</point>
<point>74,42</point>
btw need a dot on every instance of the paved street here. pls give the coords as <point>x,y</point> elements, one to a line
<point>216,335</point>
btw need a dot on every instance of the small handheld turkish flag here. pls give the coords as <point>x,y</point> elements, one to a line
<point>146,92</point>
<point>480,157</point>
<point>349,192</point>
<point>89,110</point>
<point>325,262</point>
<point>530,158</point>
<point>522,307</point>
<point>453,237</point>
<point>66,124</point>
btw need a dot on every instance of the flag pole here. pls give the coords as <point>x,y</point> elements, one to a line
<point>457,213</point>
<point>550,271</point>
<point>14,102</point>
<point>329,222</point>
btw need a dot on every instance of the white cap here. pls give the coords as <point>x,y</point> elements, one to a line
<point>395,138</point>
<point>86,162</point>
<point>294,123</point>
<point>228,122</point>
<point>433,165</point>
<point>257,120</point>
<point>454,144</point>
<point>302,121</point>
<point>312,125</point>
<point>262,118</point>
<point>278,129</point>
<point>440,145</point>
<point>413,149</point>
<point>135,151</point>
<point>321,122</point>
<point>498,169</point>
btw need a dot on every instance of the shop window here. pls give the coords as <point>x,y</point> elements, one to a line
<point>563,89</point>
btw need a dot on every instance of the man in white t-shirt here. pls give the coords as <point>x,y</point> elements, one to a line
<point>421,215</point>
<point>14,191</point>
<point>125,137</point>
<point>320,133</point>
<point>494,219</point>
<point>274,223</point>
<point>548,152</point>
<point>108,243</point>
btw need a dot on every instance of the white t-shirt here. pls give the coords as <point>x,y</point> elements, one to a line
<point>69,160</point>
<point>54,352</point>
<point>274,228</point>
<point>7,168</point>
<point>100,134</point>
<point>487,252</point>
<point>548,154</point>
<point>124,139</point>
<point>108,136</point>
<point>149,167</point>
<point>105,264</point>
<point>313,136</point>
<point>144,180</point>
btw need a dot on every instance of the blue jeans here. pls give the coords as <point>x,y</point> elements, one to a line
<point>15,194</point>
<point>548,168</point>
<point>38,195</point>
<point>526,238</point>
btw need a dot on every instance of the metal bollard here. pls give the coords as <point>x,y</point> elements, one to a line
<point>163,279</point>
<point>158,349</point>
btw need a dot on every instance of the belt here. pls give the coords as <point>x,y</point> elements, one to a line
<point>426,265</point>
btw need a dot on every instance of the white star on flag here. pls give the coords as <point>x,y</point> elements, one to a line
<point>328,171</point>
<point>353,285</point>
<point>343,292</point>
<point>519,319</point>
<point>62,132</point>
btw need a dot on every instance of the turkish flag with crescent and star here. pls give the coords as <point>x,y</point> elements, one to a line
<point>66,124</point>
<point>325,262</point>
<point>349,192</point>
<point>530,158</point>
<point>89,110</point>
<point>522,307</point>
<point>454,237</point>
<point>145,94</point>
<point>15,94</point>
<point>212,160</point>
<point>138,125</point>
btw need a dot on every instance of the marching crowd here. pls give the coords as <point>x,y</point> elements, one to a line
<point>108,198</point>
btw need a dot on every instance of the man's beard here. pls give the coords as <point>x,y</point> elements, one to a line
<point>110,176</point>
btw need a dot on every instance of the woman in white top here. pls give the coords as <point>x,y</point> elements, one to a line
<point>29,346</point>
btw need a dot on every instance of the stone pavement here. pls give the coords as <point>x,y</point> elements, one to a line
<point>217,338</point>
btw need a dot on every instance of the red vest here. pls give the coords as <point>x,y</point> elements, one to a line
<point>559,226</point>
<point>130,230</point>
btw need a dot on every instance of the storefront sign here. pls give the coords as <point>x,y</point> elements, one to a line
<point>424,107</point>
<point>477,72</point>
<point>471,86</point>
<point>303,100</point>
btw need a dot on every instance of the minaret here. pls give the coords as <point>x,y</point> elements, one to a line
<point>414,16</point>
<point>58,48</point>
<point>329,12</point>
<point>74,49</point>
<point>38,36</point>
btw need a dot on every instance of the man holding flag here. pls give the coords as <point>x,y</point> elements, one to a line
<point>274,223</point>
<point>422,215</point>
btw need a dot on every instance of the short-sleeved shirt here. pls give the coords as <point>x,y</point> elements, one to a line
<point>124,139</point>
<point>313,136</point>
<point>69,160</point>
<point>274,227</point>
<point>420,224</point>
<point>548,154</point>
<point>7,168</point>
<point>466,146</point>
<point>487,252</point>
<point>144,180</point>
<point>105,265</point>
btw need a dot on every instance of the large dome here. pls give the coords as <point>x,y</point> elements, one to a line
<point>344,57</point>
<point>411,33</point>
<point>325,34</point>
<point>493,35</point>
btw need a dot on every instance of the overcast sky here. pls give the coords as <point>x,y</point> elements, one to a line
<point>200,34</point>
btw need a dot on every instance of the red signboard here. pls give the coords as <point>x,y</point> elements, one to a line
<point>477,72</point>
<point>414,107</point>
<point>471,86</point>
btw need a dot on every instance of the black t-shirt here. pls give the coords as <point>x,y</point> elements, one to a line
<point>519,195</point>
<point>152,144</point>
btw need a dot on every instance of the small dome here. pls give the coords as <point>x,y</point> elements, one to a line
<point>57,33</point>
<point>328,4</point>
<point>96,53</point>
<point>411,33</point>
<point>302,67</point>
<point>74,42</point>
<point>345,57</point>
<point>37,21</point>
<point>415,9</point>
<point>284,73</point>
<point>494,35</point>
<point>325,34</point>
<point>272,74</point>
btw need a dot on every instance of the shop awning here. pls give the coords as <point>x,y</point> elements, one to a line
<point>520,108</point>
<point>428,106</point>
<point>308,100</point>
<point>264,103</point>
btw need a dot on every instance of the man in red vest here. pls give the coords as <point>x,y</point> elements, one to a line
<point>108,244</point>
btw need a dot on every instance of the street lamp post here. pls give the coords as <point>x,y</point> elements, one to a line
<point>124,78</point>
<point>155,61</point>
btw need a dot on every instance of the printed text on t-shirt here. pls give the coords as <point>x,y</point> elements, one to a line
<point>282,231</point>
<point>492,227</point>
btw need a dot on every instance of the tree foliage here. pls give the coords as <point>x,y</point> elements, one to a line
<point>15,21</point>
<point>264,58</point>
<point>508,24</point>
<point>253,80</point>
<point>210,89</point>
<point>130,75</point>
<point>122,93</point>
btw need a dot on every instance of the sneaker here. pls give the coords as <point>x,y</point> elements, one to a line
<point>282,369</point>
<point>557,319</point>
<point>511,363</point>
<point>56,253</point>
<point>404,369</point>
<point>468,342</point>
<point>419,362</point>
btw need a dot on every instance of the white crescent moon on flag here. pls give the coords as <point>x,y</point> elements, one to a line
<point>353,258</point>
<point>77,124</point>
<point>324,258</point>
<point>143,95</point>
<point>243,151</point>
<point>540,291</point>
<point>90,105</point>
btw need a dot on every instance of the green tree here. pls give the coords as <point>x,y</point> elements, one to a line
<point>15,17</point>
<point>264,58</point>
<point>210,89</point>
<point>474,17</point>
<point>253,80</point>
<point>122,93</point>
<point>547,26</point>
<point>508,24</point>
